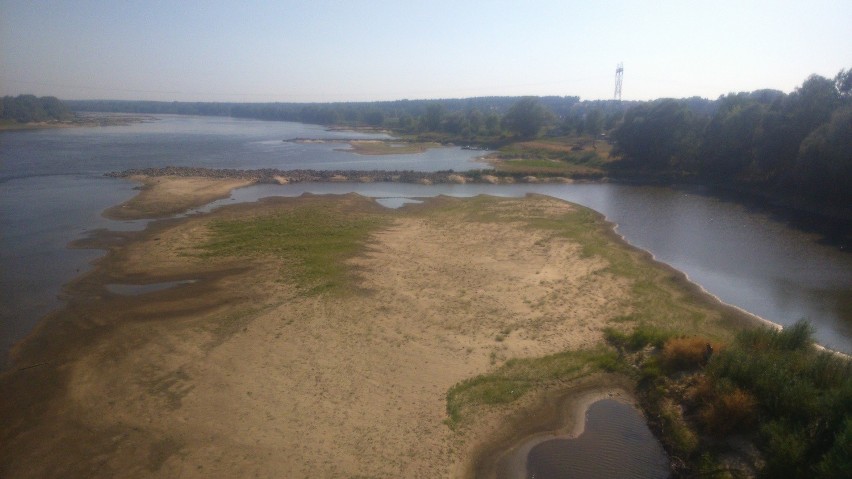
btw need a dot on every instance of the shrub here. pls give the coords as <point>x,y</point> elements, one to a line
<point>644,335</point>
<point>786,450</point>
<point>681,438</point>
<point>796,337</point>
<point>838,460</point>
<point>801,396</point>
<point>729,411</point>
<point>680,354</point>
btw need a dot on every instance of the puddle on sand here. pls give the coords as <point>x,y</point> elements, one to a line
<point>395,202</point>
<point>607,438</point>
<point>615,443</point>
<point>137,289</point>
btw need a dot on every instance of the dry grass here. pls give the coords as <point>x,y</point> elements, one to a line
<point>683,354</point>
<point>729,411</point>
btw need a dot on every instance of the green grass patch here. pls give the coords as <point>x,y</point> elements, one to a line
<point>640,337</point>
<point>376,147</point>
<point>572,156</point>
<point>518,376</point>
<point>312,240</point>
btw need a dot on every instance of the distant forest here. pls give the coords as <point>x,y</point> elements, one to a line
<point>793,148</point>
<point>30,108</point>
<point>472,119</point>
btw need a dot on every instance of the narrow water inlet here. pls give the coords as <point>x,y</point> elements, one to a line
<point>615,442</point>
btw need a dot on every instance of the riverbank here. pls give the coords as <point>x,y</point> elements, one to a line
<point>294,359</point>
<point>79,120</point>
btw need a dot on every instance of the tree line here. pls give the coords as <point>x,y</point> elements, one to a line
<point>796,147</point>
<point>30,108</point>
<point>467,119</point>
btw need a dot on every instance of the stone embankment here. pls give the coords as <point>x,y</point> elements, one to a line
<point>270,175</point>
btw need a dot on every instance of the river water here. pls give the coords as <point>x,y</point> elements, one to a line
<point>52,192</point>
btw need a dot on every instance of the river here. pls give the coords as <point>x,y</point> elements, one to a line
<point>52,191</point>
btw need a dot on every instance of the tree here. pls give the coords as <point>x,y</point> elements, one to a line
<point>824,164</point>
<point>456,123</point>
<point>728,145</point>
<point>374,118</point>
<point>843,83</point>
<point>29,108</point>
<point>492,124</point>
<point>593,124</point>
<point>527,117</point>
<point>662,135</point>
<point>817,99</point>
<point>475,121</point>
<point>405,122</point>
<point>434,116</point>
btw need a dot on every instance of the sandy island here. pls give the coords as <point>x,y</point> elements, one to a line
<point>164,197</point>
<point>240,374</point>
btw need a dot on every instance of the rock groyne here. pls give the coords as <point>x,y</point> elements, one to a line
<point>271,175</point>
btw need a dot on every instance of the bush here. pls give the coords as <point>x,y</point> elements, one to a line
<point>681,354</point>
<point>792,338</point>
<point>729,411</point>
<point>801,396</point>
<point>644,335</point>
<point>681,438</point>
<point>838,460</point>
<point>786,450</point>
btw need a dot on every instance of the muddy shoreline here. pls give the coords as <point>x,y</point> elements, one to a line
<point>553,413</point>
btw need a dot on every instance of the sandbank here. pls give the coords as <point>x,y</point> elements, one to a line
<point>395,147</point>
<point>240,373</point>
<point>161,197</point>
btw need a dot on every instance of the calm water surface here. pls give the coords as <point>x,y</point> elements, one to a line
<point>52,192</point>
<point>615,444</point>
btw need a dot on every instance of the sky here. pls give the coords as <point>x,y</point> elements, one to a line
<point>360,50</point>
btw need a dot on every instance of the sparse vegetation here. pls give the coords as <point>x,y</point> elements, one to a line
<point>313,241</point>
<point>571,156</point>
<point>376,147</point>
<point>518,376</point>
<point>769,388</point>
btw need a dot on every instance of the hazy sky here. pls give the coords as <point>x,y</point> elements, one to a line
<point>385,50</point>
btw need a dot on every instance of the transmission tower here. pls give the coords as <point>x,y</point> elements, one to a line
<point>619,75</point>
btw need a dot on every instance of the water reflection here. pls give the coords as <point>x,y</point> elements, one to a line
<point>616,443</point>
<point>395,201</point>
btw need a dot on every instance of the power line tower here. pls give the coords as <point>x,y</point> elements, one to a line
<point>619,75</point>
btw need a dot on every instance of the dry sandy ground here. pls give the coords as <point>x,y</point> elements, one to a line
<point>237,376</point>
<point>160,197</point>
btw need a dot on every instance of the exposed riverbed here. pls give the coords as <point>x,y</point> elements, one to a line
<point>52,192</point>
